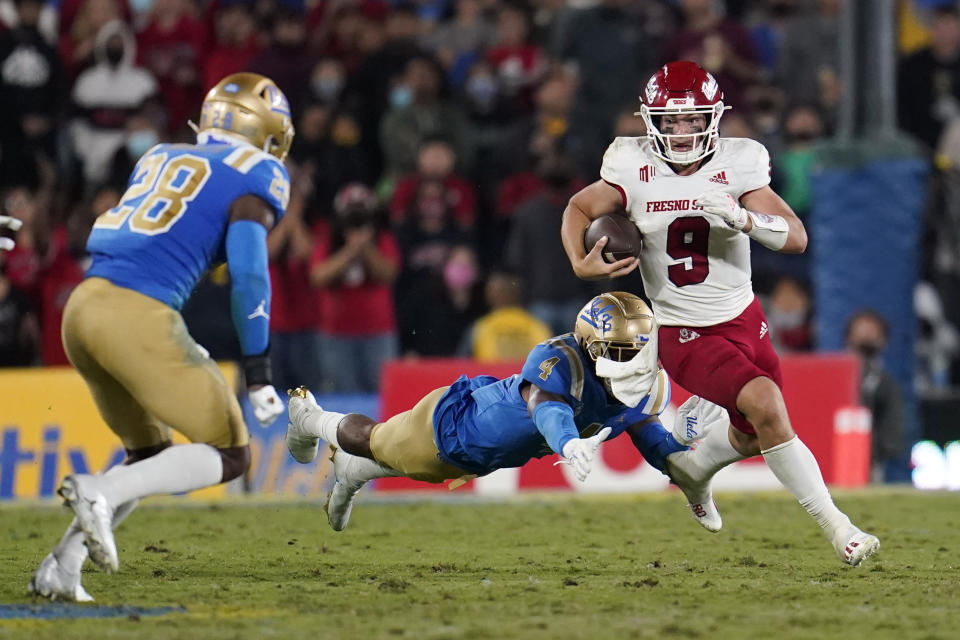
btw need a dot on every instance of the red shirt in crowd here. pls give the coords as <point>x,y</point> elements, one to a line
<point>517,65</point>
<point>295,305</point>
<point>356,306</point>
<point>173,56</point>
<point>460,197</point>
<point>59,279</point>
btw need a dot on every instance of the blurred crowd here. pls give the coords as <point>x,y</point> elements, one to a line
<point>437,144</point>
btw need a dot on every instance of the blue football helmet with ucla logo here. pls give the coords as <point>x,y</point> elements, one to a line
<point>614,325</point>
<point>252,107</point>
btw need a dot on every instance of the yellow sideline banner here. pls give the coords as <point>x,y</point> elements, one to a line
<point>50,427</point>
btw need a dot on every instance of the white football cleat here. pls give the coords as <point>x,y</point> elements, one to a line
<point>854,546</point>
<point>94,516</point>
<point>349,479</point>
<point>51,581</point>
<point>303,439</point>
<point>699,496</point>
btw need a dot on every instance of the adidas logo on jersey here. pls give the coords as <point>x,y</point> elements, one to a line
<point>720,178</point>
<point>647,173</point>
<point>763,329</point>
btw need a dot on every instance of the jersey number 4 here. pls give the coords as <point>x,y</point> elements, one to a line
<point>688,240</point>
<point>165,186</point>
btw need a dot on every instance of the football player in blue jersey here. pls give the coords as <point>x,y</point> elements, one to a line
<point>574,391</point>
<point>186,208</point>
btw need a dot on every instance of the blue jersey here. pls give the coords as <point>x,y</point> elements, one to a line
<point>482,424</point>
<point>171,223</point>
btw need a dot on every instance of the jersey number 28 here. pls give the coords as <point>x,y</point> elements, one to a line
<point>167,184</point>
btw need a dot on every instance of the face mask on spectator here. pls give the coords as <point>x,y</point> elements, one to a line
<point>114,55</point>
<point>868,351</point>
<point>139,142</point>
<point>800,137</point>
<point>401,96</point>
<point>140,6</point>
<point>459,273</point>
<point>482,91</point>
<point>326,89</point>
<point>786,319</point>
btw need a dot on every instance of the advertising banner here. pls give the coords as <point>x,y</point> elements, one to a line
<point>49,427</point>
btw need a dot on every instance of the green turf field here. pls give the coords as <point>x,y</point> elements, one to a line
<point>543,567</point>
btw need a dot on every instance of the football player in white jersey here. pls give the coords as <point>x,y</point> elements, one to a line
<point>698,200</point>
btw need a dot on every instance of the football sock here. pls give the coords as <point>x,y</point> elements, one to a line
<point>324,424</point>
<point>366,469</point>
<point>797,469</point>
<point>712,454</point>
<point>177,469</point>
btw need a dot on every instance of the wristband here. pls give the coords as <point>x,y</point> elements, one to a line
<point>256,369</point>
<point>770,231</point>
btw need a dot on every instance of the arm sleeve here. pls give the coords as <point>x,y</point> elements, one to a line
<point>555,421</point>
<point>249,285</point>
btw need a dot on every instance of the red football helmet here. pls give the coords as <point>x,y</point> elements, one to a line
<point>682,87</point>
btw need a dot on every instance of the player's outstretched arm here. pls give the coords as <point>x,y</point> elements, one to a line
<point>246,244</point>
<point>589,203</point>
<point>554,419</point>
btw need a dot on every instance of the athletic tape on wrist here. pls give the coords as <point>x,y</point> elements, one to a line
<point>770,231</point>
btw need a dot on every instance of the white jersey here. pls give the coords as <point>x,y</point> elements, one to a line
<point>696,269</point>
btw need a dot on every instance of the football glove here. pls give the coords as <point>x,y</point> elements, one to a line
<point>696,417</point>
<point>267,405</point>
<point>579,453</point>
<point>725,206</point>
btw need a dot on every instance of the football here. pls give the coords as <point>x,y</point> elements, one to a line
<point>624,239</point>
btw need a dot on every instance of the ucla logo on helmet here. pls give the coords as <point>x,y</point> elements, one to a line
<point>600,317</point>
<point>231,87</point>
<point>278,102</point>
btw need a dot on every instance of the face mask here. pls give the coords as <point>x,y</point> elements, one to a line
<point>401,96</point>
<point>867,350</point>
<point>458,274</point>
<point>114,56</point>
<point>140,6</point>
<point>801,137</point>
<point>139,142</point>
<point>326,89</point>
<point>786,319</point>
<point>482,90</point>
